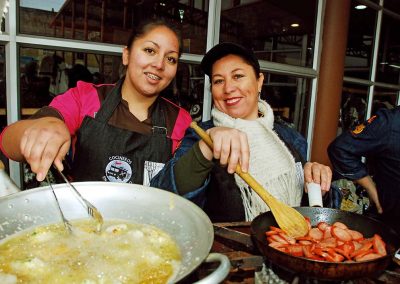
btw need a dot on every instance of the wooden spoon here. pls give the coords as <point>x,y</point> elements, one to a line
<point>288,218</point>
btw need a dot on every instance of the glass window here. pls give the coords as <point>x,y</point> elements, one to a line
<point>353,107</point>
<point>3,104</point>
<point>3,25</point>
<point>388,67</point>
<point>392,5</point>
<point>112,21</point>
<point>189,89</point>
<point>289,97</point>
<point>360,42</point>
<point>277,30</point>
<point>45,73</point>
<point>383,98</point>
<point>374,1</point>
<point>4,5</point>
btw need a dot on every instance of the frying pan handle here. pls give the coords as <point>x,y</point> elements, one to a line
<point>220,273</point>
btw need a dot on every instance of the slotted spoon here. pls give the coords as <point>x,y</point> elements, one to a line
<point>288,218</point>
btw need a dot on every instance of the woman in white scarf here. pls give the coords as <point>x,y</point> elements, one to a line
<point>243,133</point>
<point>235,86</point>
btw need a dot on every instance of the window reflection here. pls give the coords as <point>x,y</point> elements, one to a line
<point>45,73</point>
<point>277,30</point>
<point>392,5</point>
<point>353,107</point>
<point>388,67</point>
<point>289,97</point>
<point>189,89</point>
<point>360,42</point>
<point>3,25</point>
<point>112,21</point>
<point>383,98</point>
<point>44,5</point>
<point>3,103</point>
<point>3,120</point>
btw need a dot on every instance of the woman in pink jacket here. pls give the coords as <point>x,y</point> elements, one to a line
<point>121,132</point>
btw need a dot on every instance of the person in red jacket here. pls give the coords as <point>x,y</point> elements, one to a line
<point>121,132</point>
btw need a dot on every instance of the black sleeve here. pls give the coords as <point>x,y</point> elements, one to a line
<point>46,111</point>
<point>191,170</point>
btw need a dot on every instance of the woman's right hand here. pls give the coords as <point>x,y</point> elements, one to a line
<point>44,142</point>
<point>230,147</point>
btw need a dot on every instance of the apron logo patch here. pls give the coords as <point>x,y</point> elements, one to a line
<point>118,169</point>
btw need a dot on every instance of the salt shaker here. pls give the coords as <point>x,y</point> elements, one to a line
<point>314,194</point>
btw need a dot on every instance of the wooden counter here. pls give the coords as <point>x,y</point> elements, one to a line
<point>25,111</point>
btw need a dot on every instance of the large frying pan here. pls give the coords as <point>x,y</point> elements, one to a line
<point>321,269</point>
<point>183,220</point>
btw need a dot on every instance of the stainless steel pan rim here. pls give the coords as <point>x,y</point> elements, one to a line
<point>182,219</point>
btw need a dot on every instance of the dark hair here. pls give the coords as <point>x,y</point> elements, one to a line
<point>78,72</point>
<point>31,69</point>
<point>226,48</point>
<point>147,26</point>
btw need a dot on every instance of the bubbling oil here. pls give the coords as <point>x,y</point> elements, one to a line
<point>122,253</point>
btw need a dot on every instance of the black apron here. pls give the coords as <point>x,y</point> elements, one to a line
<point>105,152</point>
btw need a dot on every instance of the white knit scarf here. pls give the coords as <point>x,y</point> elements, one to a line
<point>271,163</point>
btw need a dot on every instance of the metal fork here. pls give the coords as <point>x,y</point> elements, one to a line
<point>67,224</point>
<point>92,211</point>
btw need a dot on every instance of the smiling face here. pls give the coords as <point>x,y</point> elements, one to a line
<point>235,87</point>
<point>151,62</point>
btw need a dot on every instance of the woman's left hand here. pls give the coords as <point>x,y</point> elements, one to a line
<point>318,173</point>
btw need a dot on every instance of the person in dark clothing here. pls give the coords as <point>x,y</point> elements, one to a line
<point>34,89</point>
<point>244,132</point>
<point>78,72</point>
<point>377,139</point>
<point>120,132</point>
